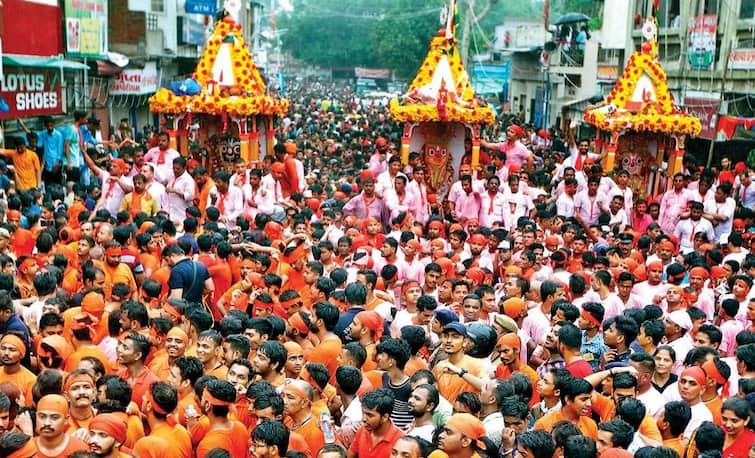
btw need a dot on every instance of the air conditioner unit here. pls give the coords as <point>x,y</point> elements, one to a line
<point>155,42</point>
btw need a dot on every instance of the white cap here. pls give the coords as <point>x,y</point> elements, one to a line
<point>504,245</point>
<point>680,318</point>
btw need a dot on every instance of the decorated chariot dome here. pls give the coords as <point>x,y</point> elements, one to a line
<point>226,80</point>
<point>640,99</point>
<point>441,91</point>
<point>639,125</point>
<point>441,113</point>
<point>226,104</point>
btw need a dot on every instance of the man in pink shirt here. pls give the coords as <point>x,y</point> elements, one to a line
<point>516,153</point>
<point>673,204</point>
<point>161,157</point>
<point>467,204</point>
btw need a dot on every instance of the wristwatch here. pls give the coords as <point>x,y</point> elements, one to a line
<point>462,373</point>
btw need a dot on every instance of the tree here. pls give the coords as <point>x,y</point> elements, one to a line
<point>401,39</point>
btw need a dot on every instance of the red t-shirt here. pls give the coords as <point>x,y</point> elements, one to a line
<point>579,368</point>
<point>363,446</point>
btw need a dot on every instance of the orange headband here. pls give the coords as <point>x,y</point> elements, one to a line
<point>157,408</point>
<point>78,378</point>
<point>170,310</point>
<point>111,424</point>
<point>28,450</point>
<point>53,403</point>
<point>712,371</point>
<point>290,303</point>
<point>696,373</point>
<point>587,316</point>
<point>16,342</point>
<point>178,332</point>
<point>114,251</point>
<point>213,400</point>
<point>298,323</point>
<point>467,425</point>
<point>258,304</point>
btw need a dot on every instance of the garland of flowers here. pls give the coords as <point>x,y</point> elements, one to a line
<point>465,107</point>
<point>247,97</point>
<point>453,113</point>
<point>657,116</point>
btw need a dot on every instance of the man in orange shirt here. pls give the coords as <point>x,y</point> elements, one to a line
<point>12,351</point>
<point>576,400</point>
<point>176,342</point>
<point>224,433</point>
<point>52,421</point>
<point>132,351</point>
<point>509,346</point>
<point>209,351</point>
<point>455,374</point>
<point>80,391</point>
<point>26,165</point>
<point>367,329</point>
<point>183,375</point>
<point>160,401</point>
<point>297,399</point>
<point>115,270</point>
<point>325,318</point>
<point>107,433</point>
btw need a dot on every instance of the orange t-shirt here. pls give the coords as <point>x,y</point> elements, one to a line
<point>223,278</point>
<point>119,274</point>
<point>414,365</point>
<point>235,441</point>
<point>326,353</point>
<point>311,433</point>
<point>504,372</point>
<point>585,424</point>
<point>177,437</point>
<point>451,385</point>
<point>74,445</point>
<point>73,361</point>
<point>714,405</point>
<point>606,409</point>
<point>24,379</point>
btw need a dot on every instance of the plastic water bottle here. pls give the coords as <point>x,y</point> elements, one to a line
<point>327,428</point>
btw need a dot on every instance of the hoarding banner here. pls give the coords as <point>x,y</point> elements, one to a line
<point>380,73</point>
<point>491,79</point>
<point>136,81</point>
<point>86,28</point>
<point>26,92</point>
<point>702,42</point>
<point>706,110</point>
<point>742,59</point>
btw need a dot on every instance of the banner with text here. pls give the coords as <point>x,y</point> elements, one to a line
<point>26,92</point>
<point>86,28</point>
<point>706,110</point>
<point>136,81</point>
<point>742,59</point>
<point>702,42</point>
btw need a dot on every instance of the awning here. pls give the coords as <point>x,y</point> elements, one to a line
<point>43,62</point>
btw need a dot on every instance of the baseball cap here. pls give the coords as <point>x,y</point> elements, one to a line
<point>456,327</point>
<point>680,318</point>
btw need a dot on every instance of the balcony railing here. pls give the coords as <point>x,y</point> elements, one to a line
<point>571,56</point>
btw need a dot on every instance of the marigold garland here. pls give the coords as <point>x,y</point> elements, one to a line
<point>465,107</point>
<point>247,97</point>
<point>661,115</point>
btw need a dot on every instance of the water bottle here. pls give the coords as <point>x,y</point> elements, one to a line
<point>327,428</point>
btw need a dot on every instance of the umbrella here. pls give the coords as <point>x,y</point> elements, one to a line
<point>571,18</point>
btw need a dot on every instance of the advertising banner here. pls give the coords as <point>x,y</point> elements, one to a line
<point>702,42</point>
<point>86,28</point>
<point>742,59</point>
<point>490,78</point>
<point>706,110</point>
<point>26,92</point>
<point>136,81</point>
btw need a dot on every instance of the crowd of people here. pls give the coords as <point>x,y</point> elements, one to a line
<point>327,302</point>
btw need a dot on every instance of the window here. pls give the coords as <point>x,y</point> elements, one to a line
<point>152,23</point>
<point>158,6</point>
<point>668,14</point>
<point>747,9</point>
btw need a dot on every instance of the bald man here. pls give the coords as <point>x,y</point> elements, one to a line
<point>52,441</point>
